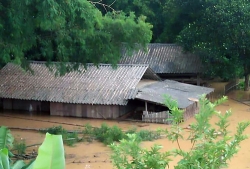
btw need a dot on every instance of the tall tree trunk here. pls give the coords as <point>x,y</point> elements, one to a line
<point>246,88</point>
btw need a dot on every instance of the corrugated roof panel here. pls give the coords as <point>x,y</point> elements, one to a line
<point>102,85</point>
<point>180,92</point>
<point>165,58</point>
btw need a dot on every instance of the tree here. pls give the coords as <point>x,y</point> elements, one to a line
<point>158,12</point>
<point>67,31</point>
<point>168,17</point>
<point>221,34</point>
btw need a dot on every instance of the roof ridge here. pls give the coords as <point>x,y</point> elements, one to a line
<point>91,64</point>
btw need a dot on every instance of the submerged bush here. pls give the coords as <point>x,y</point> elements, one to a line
<point>107,134</point>
<point>146,135</point>
<point>212,145</point>
<point>70,138</point>
<point>56,130</point>
<point>20,146</point>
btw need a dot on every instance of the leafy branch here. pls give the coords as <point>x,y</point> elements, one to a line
<point>105,6</point>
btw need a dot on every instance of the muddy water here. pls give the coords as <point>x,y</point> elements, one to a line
<point>96,155</point>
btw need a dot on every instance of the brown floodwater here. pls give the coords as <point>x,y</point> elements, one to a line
<point>95,155</point>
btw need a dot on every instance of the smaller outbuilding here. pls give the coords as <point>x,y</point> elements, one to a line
<point>186,95</point>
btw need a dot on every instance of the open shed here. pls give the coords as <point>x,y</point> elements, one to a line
<point>184,94</point>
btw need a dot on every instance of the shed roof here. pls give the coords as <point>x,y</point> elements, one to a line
<point>165,58</point>
<point>102,85</point>
<point>180,92</point>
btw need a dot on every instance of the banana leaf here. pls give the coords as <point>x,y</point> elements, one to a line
<point>4,159</point>
<point>19,164</point>
<point>50,153</point>
<point>6,139</point>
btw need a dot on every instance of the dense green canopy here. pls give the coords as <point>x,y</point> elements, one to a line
<point>222,36</point>
<point>84,31</point>
<point>69,30</point>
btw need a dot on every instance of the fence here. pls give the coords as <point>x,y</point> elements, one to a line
<point>232,85</point>
<point>156,117</point>
<point>190,111</point>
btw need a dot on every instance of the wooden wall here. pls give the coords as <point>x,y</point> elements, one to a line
<point>191,110</point>
<point>86,110</point>
<point>25,105</point>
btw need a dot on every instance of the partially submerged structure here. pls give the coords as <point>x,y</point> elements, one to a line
<point>95,92</point>
<point>186,96</point>
<point>169,61</point>
<point>101,92</point>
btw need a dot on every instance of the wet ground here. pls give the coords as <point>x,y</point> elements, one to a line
<point>95,155</point>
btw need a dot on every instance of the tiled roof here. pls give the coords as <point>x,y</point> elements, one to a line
<point>103,85</point>
<point>180,92</point>
<point>165,58</point>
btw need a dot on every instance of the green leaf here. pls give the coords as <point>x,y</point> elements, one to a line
<point>6,139</point>
<point>4,159</point>
<point>19,164</point>
<point>50,153</point>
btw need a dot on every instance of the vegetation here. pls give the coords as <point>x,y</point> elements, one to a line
<point>69,138</point>
<point>51,151</point>
<point>89,31</point>
<point>128,154</point>
<point>108,135</point>
<point>218,31</point>
<point>104,134</point>
<point>67,31</point>
<point>212,145</point>
<point>221,35</point>
<point>19,146</point>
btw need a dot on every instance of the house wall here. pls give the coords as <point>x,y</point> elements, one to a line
<point>191,110</point>
<point>25,105</point>
<point>1,104</point>
<point>86,110</point>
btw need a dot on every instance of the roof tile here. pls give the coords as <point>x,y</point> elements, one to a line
<point>165,58</point>
<point>103,85</point>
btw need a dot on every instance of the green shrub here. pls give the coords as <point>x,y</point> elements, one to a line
<point>20,146</point>
<point>88,133</point>
<point>241,85</point>
<point>129,154</point>
<point>146,135</point>
<point>212,145</point>
<point>107,134</point>
<point>131,130</point>
<point>88,129</point>
<point>55,130</point>
<point>70,138</point>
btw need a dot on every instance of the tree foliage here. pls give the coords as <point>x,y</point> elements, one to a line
<point>221,34</point>
<point>158,12</point>
<point>213,145</point>
<point>67,31</point>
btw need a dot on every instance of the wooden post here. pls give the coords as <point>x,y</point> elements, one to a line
<point>198,80</point>
<point>146,106</point>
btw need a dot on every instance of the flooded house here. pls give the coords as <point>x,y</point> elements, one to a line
<point>95,92</point>
<point>129,90</point>
<point>169,61</point>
